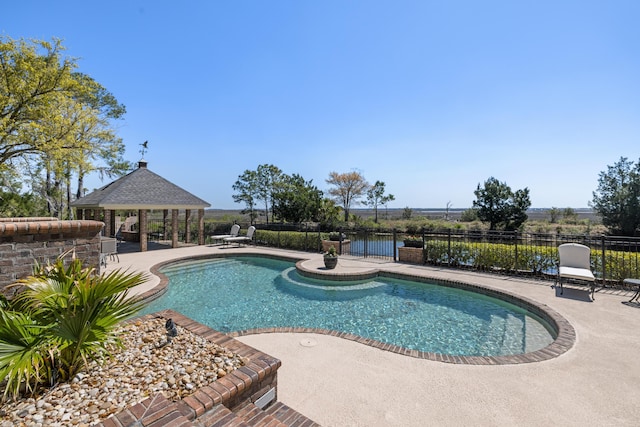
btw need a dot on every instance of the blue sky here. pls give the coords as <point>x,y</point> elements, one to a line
<point>431,97</point>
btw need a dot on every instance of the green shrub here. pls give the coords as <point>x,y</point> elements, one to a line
<point>64,317</point>
<point>295,240</point>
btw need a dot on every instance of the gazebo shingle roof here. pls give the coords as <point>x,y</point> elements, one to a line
<point>140,189</point>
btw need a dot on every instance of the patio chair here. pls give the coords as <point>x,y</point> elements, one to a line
<point>575,265</point>
<point>108,249</point>
<point>235,229</point>
<point>241,239</point>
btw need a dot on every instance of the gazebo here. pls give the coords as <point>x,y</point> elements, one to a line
<point>142,190</point>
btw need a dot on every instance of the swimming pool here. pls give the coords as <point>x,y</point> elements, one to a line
<point>250,292</point>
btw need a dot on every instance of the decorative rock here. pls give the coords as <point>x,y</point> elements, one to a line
<point>132,374</point>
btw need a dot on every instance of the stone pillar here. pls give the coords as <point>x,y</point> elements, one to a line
<point>142,229</point>
<point>108,223</point>
<point>201,226</point>
<point>187,226</point>
<point>112,222</point>
<point>174,228</point>
<point>165,224</point>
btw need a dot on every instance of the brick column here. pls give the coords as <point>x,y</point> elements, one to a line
<point>174,228</point>
<point>108,223</point>
<point>142,229</point>
<point>187,226</point>
<point>165,224</point>
<point>112,222</point>
<point>201,226</point>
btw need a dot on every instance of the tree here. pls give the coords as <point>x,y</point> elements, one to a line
<point>570,215</point>
<point>446,211</point>
<point>328,214</point>
<point>246,187</point>
<point>469,215</point>
<point>407,212</point>
<point>348,188</point>
<point>499,206</point>
<point>376,197</point>
<point>617,198</point>
<point>54,119</point>
<point>297,200</point>
<point>554,214</point>
<point>269,178</point>
<point>20,205</point>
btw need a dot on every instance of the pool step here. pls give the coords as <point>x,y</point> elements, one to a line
<point>188,266</point>
<point>290,417</point>
<point>249,415</point>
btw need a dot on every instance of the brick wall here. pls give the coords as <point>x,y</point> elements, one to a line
<point>410,255</point>
<point>23,241</point>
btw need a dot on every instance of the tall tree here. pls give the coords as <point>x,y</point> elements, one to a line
<point>376,197</point>
<point>328,214</point>
<point>617,198</point>
<point>246,187</point>
<point>34,86</point>
<point>297,200</point>
<point>269,178</point>
<point>55,116</point>
<point>347,189</point>
<point>499,206</point>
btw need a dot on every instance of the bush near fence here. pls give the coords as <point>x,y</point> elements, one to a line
<point>310,241</point>
<point>492,257</point>
<point>537,260</point>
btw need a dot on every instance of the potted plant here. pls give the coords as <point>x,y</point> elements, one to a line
<point>336,236</point>
<point>331,258</point>
<point>413,242</point>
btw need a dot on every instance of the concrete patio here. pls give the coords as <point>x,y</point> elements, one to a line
<point>338,382</point>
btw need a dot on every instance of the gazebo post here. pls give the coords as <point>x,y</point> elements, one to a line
<point>142,229</point>
<point>174,228</point>
<point>165,223</point>
<point>112,222</point>
<point>187,225</point>
<point>108,222</point>
<point>201,226</point>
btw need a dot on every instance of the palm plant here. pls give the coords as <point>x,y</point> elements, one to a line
<point>64,317</point>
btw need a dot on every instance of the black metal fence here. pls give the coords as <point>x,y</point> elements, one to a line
<point>613,258</point>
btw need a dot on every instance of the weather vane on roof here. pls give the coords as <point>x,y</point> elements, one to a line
<point>144,148</point>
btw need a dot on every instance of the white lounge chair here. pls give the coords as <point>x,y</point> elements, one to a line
<point>575,265</point>
<point>241,239</point>
<point>235,229</point>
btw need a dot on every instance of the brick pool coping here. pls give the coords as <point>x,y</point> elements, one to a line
<point>565,338</point>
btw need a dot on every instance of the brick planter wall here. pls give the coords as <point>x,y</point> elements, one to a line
<point>23,241</point>
<point>346,246</point>
<point>246,384</point>
<point>410,255</point>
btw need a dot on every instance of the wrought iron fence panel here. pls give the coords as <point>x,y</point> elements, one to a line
<point>370,244</point>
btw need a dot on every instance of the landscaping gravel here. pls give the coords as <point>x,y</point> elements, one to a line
<point>151,362</point>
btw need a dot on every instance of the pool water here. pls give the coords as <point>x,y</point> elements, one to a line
<point>233,294</point>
